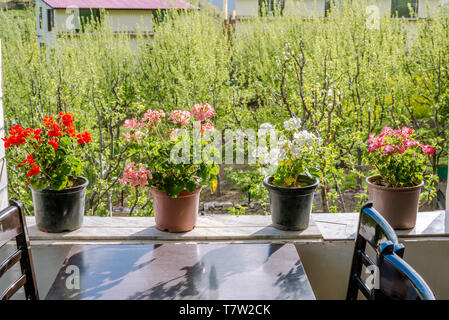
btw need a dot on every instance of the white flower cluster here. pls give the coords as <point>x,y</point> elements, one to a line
<point>265,156</point>
<point>302,140</point>
<point>291,145</point>
<point>292,124</point>
<point>266,126</point>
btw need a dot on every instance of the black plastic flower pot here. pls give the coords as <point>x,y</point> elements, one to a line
<point>291,207</point>
<point>59,211</point>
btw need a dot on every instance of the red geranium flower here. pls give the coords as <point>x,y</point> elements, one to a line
<point>55,131</point>
<point>54,143</point>
<point>33,171</point>
<point>7,143</point>
<point>84,137</point>
<point>37,135</point>
<point>71,131</point>
<point>67,119</point>
<point>48,121</point>
<point>29,160</point>
<point>17,136</point>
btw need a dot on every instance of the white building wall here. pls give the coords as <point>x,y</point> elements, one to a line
<point>315,8</point>
<point>427,8</point>
<point>3,173</point>
<point>246,8</point>
<point>120,20</point>
<point>131,20</point>
<point>305,8</point>
<point>43,35</point>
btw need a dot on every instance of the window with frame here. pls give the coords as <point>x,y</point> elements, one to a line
<point>267,6</point>
<point>329,4</point>
<point>40,18</point>
<point>88,16</point>
<point>401,8</point>
<point>50,19</point>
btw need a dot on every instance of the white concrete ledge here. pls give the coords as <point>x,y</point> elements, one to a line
<point>323,227</point>
<point>210,227</point>
<point>343,226</point>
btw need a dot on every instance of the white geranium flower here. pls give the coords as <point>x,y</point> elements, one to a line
<point>262,154</point>
<point>266,126</point>
<point>292,124</point>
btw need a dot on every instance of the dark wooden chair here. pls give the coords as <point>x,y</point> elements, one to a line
<point>373,229</point>
<point>397,279</point>
<point>13,225</point>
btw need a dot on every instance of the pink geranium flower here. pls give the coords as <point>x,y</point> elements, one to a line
<point>202,112</point>
<point>207,127</point>
<point>427,149</point>
<point>152,117</point>
<point>410,143</point>
<point>131,123</point>
<point>388,149</point>
<point>137,177</point>
<point>134,136</point>
<point>180,117</point>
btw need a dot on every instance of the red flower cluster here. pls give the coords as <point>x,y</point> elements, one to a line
<point>50,134</point>
<point>84,137</point>
<point>67,123</point>
<point>33,171</point>
<point>29,159</point>
<point>17,136</point>
<point>54,143</point>
<point>396,140</point>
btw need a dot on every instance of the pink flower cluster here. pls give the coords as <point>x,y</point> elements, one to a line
<point>133,136</point>
<point>137,177</point>
<point>207,127</point>
<point>202,112</point>
<point>131,123</point>
<point>152,117</point>
<point>180,117</point>
<point>391,140</point>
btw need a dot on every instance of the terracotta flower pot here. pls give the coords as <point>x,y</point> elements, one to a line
<point>176,214</point>
<point>399,206</point>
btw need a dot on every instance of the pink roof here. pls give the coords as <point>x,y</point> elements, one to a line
<point>121,4</point>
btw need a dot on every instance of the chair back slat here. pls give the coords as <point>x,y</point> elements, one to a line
<point>10,262</point>
<point>9,224</point>
<point>13,226</point>
<point>19,283</point>
<point>365,259</point>
<point>399,281</point>
<point>362,287</point>
<point>372,229</point>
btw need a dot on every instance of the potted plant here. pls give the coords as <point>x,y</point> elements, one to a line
<point>51,168</point>
<point>293,184</point>
<point>400,162</point>
<point>175,182</point>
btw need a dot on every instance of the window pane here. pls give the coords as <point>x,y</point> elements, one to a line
<point>40,17</point>
<point>266,6</point>
<point>401,8</point>
<point>86,16</point>
<point>50,19</point>
<point>329,4</point>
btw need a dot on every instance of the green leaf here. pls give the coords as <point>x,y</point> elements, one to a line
<point>38,183</point>
<point>59,183</point>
